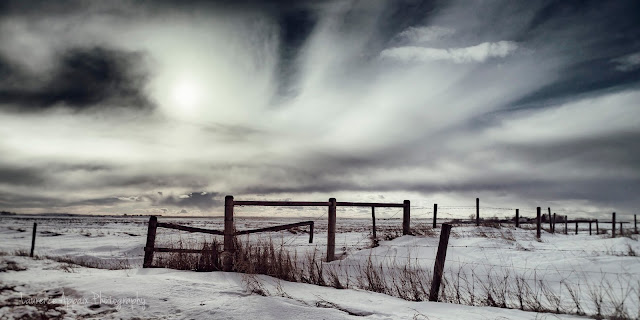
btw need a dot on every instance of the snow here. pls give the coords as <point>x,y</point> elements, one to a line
<point>584,260</point>
<point>164,293</point>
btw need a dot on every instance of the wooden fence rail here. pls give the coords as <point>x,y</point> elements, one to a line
<point>282,227</point>
<point>150,247</point>
<point>331,205</point>
<point>188,229</point>
<point>281,203</point>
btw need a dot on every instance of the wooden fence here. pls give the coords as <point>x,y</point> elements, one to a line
<point>150,247</point>
<point>552,220</point>
<point>229,232</point>
<point>332,204</point>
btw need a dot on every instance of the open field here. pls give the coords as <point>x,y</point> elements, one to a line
<point>497,266</point>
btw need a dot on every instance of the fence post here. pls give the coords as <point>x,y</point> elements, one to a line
<point>597,227</point>
<point>621,231</point>
<point>406,218</point>
<point>477,212</point>
<point>151,240</point>
<point>576,227</point>
<point>435,215</point>
<point>373,217</point>
<point>549,218</point>
<point>613,225</point>
<point>229,245</point>
<point>566,223</point>
<point>331,238</point>
<point>439,264</point>
<point>590,227</point>
<point>538,222</point>
<point>311,232</point>
<point>553,227</point>
<point>517,218</point>
<point>33,239</point>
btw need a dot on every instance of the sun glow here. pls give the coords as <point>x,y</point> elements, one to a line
<point>187,95</point>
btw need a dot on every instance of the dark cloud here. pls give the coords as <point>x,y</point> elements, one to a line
<point>27,200</point>
<point>296,26</point>
<point>82,78</point>
<point>87,175</point>
<point>594,34</point>
<point>16,7</point>
<point>21,176</point>
<point>200,200</point>
<point>232,133</point>
<point>96,202</point>
<point>150,181</point>
<point>617,151</point>
<point>38,175</point>
<point>584,78</point>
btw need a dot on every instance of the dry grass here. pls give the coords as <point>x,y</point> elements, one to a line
<point>70,262</point>
<point>9,265</point>
<point>463,285</point>
<point>208,259</point>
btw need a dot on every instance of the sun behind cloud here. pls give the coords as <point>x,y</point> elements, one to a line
<point>187,95</point>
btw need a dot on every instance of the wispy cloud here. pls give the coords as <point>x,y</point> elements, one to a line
<point>425,34</point>
<point>477,53</point>
<point>628,63</point>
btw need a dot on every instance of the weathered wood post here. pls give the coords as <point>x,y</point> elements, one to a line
<point>566,224</point>
<point>229,245</point>
<point>477,212</point>
<point>549,218</point>
<point>439,264</point>
<point>590,227</point>
<point>576,227</point>
<point>553,227</point>
<point>311,232</point>
<point>406,218</point>
<point>538,222</point>
<point>151,240</point>
<point>373,217</point>
<point>517,218</point>
<point>613,225</point>
<point>435,215</point>
<point>597,227</point>
<point>331,238</point>
<point>621,231</point>
<point>33,239</point>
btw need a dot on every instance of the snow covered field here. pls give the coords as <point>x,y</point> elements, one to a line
<point>566,272</point>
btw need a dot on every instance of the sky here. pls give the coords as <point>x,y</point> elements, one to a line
<point>165,107</point>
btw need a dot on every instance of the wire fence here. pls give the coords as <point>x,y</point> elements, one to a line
<point>582,275</point>
<point>494,264</point>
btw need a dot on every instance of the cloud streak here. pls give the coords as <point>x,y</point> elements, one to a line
<point>477,53</point>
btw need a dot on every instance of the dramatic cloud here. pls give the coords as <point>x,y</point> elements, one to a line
<point>201,200</point>
<point>81,78</point>
<point>477,53</point>
<point>135,107</point>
